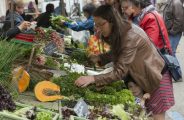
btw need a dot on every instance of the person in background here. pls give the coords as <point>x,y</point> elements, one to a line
<point>75,10</point>
<point>31,7</point>
<point>174,19</point>
<point>84,25</point>
<point>139,94</point>
<point>33,10</point>
<point>142,12</point>
<point>18,11</point>
<point>153,2</point>
<point>61,10</point>
<point>132,53</point>
<point>16,30</point>
<point>44,19</point>
<point>116,4</point>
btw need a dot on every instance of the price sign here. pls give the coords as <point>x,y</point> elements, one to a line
<point>50,48</point>
<point>81,108</point>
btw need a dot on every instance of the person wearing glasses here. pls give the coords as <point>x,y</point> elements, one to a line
<point>144,14</point>
<point>132,54</point>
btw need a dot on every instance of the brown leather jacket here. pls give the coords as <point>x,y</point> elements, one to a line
<point>174,16</point>
<point>139,59</point>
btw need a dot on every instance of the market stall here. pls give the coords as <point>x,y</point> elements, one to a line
<point>41,67</point>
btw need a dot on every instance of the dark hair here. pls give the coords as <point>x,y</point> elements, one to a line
<point>128,79</point>
<point>141,3</point>
<point>119,27</point>
<point>50,8</point>
<point>119,7</point>
<point>89,8</point>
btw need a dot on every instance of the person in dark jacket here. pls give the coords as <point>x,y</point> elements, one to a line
<point>84,25</point>
<point>174,20</point>
<point>16,30</point>
<point>18,19</point>
<point>44,19</point>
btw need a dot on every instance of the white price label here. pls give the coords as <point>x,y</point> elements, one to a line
<point>81,108</point>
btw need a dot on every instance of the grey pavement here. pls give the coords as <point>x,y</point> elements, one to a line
<point>179,86</point>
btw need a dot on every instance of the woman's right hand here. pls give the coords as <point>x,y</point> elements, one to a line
<point>94,58</point>
<point>24,25</point>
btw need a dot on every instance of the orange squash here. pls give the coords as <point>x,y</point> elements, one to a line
<point>46,91</point>
<point>22,77</point>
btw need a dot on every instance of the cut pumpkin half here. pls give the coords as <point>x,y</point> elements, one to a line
<point>22,78</point>
<point>46,91</point>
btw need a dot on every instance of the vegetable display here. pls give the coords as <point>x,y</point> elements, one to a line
<point>51,63</point>
<point>112,94</point>
<point>46,35</point>
<point>80,56</point>
<point>95,114</point>
<point>9,52</point>
<point>6,102</point>
<point>110,102</point>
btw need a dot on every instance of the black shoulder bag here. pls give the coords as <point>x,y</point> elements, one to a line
<point>172,63</point>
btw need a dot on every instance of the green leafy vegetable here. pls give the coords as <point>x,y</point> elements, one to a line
<point>80,56</point>
<point>50,62</point>
<point>56,21</point>
<point>112,94</point>
<point>119,111</point>
<point>9,52</point>
<point>44,116</point>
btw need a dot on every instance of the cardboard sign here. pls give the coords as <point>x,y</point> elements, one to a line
<point>81,108</point>
<point>50,48</point>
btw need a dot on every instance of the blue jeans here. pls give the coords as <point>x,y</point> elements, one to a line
<point>174,40</point>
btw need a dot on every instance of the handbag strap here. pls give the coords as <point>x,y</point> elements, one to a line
<point>163,39</point>
<point>160,30</point>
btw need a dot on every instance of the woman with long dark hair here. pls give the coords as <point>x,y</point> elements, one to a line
<point>133,55</point>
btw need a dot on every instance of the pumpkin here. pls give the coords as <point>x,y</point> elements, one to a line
<point>23,78</point>
<point>46,91</point>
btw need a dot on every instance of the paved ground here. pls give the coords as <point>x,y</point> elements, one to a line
<point>179,87</point>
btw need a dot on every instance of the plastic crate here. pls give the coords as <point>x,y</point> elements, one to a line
<point>10,116</point>
<point>16,41</point>
<point>25,37</point>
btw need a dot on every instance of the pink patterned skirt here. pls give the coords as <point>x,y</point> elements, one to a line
<point>162,98</point>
